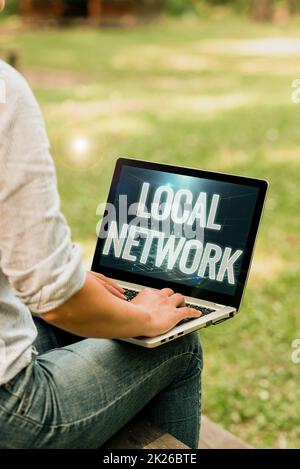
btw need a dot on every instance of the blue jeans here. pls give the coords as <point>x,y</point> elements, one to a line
<point>77,393</point>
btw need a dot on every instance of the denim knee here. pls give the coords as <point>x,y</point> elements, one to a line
<point>193,345</point>
<point>188,346</point>
<point>191,350</point>
<point>193,341</point>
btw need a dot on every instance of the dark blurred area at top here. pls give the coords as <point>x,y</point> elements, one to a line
<point>126,12</point>
<point>97,11</point>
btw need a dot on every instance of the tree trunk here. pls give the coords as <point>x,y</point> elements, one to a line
<point>292,6</point>
<point>25,7</point>
<point>262,10</point>
<point>94,8</point>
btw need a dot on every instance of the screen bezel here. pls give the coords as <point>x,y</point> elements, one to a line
<point>199,293</point>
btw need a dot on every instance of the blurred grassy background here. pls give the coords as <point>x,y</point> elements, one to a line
<point>211,93</point>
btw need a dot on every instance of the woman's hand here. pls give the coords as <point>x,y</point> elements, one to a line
<point>99,310</point>
<point>109,284</point>
<point>165,309</point>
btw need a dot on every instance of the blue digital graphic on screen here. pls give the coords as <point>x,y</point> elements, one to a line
<point>182,229</point>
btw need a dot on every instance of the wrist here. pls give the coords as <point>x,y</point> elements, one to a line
<point>143,320</point>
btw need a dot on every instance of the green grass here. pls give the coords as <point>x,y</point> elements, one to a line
<point>170,93</point>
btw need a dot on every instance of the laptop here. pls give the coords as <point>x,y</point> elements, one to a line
<point>186,229</point>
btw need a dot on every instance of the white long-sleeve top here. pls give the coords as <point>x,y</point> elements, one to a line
<point>40,267</point>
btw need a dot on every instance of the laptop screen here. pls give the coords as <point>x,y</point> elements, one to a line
<point>190,230</point>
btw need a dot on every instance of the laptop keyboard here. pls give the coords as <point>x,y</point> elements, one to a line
<point>203,309</point>
<point>130,294</point>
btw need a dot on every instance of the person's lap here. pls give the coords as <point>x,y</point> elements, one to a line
<point>79,394</point>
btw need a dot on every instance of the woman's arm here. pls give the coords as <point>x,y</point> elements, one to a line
<point>95,312</point>
<point>38,258</point>
<point>43,266</point>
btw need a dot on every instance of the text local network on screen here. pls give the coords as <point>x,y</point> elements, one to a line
<point>194,257</point>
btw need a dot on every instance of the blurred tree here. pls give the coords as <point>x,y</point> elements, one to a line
<point>90,8</point>
<point>262,10</point>
<point>178,7</point>
<point>293,6</point>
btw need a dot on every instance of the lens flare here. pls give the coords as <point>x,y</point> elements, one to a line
<point>80,146</point>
